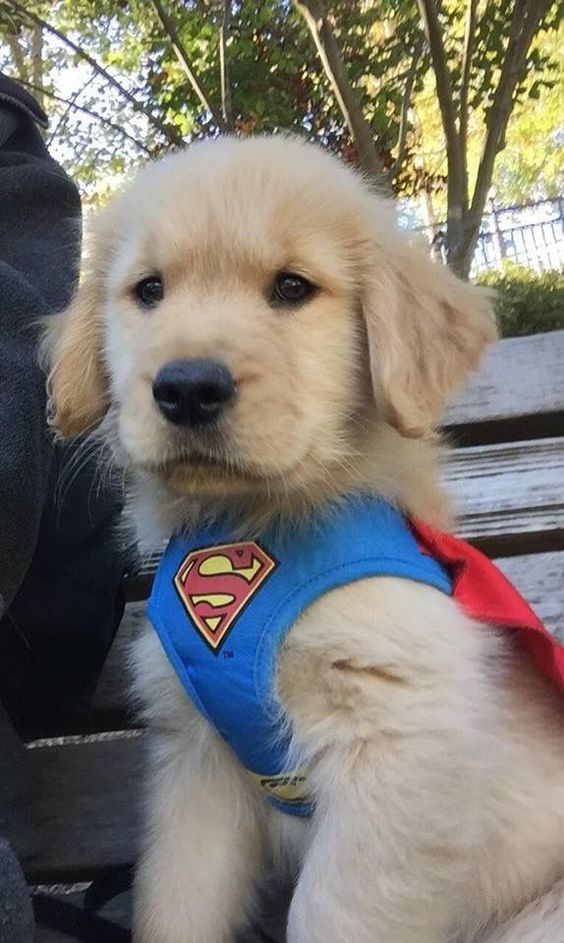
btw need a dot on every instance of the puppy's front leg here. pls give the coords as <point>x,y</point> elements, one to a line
<point>203,853</point>
<point>388,710</point>
<point>365,878</point>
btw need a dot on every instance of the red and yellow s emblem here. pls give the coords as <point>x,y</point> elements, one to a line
<point>216,583</point>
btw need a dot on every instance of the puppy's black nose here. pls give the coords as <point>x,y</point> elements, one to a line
<point>193,392</point>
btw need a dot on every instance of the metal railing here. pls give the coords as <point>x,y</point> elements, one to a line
<point>531,235</point>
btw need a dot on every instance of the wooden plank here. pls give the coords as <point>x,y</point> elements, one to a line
<point>84,807</point>
<point>540,579</point>
<point>521,379</point>
<point>86,803</point>
<point>510,498</point>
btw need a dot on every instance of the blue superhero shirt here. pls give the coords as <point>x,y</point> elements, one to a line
<point>223,608</point>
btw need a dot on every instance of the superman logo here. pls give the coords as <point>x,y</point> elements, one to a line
<point>215,585</point>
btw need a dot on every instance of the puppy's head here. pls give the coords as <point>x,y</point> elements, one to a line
<point>251,315</point>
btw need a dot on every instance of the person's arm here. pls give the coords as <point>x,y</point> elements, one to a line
<point>39,244</point>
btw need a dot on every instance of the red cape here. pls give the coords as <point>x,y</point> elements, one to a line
<point>487,595</point>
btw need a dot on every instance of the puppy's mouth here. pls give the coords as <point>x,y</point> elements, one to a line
<point>196,466</point>
<point>215,474</point>
<point>196,471</point>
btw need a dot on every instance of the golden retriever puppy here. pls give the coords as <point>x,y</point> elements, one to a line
<point>258,341</point>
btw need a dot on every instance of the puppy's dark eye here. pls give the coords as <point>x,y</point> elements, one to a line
<point>149,291</point>
<point>290,289</point>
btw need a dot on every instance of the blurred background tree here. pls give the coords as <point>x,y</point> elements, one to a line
<point>436,100</point>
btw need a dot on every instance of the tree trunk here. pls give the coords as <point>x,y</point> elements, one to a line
<point>460,257</point>
<point>457,195</point>
<point>319,24</point>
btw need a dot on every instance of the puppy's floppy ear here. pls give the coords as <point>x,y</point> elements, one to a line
<point>73,352</point>
<point>426,331</point>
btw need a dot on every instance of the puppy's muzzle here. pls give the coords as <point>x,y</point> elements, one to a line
<point>195,392</point>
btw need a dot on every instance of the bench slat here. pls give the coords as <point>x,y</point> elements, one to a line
<point>510,498</point>
<point>540,578</point>
<point>84,805</point>
<point>520,382</point>
<point>86,799</point>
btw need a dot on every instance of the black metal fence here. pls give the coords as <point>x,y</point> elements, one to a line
<point>531,235</point>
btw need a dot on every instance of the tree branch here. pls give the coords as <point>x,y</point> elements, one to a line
<point>17,55</point>
<point>72,101</point>
<point>526,19</point>
<point>171,134</point>
<point>430,17</point>
<point>226,99</point>
<point>406,101</point>
<point>88,111</point>
<point>182,56</point>
<point>37,57</point>
<point>468,51</point>
<point>320,27</point>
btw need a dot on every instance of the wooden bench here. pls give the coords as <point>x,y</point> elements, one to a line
<point>507,480</point>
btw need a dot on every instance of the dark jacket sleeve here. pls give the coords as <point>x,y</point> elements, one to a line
<point>39,244</point>
<point>61,558</point>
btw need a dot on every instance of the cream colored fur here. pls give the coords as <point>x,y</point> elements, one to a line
<point>435,753</point>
